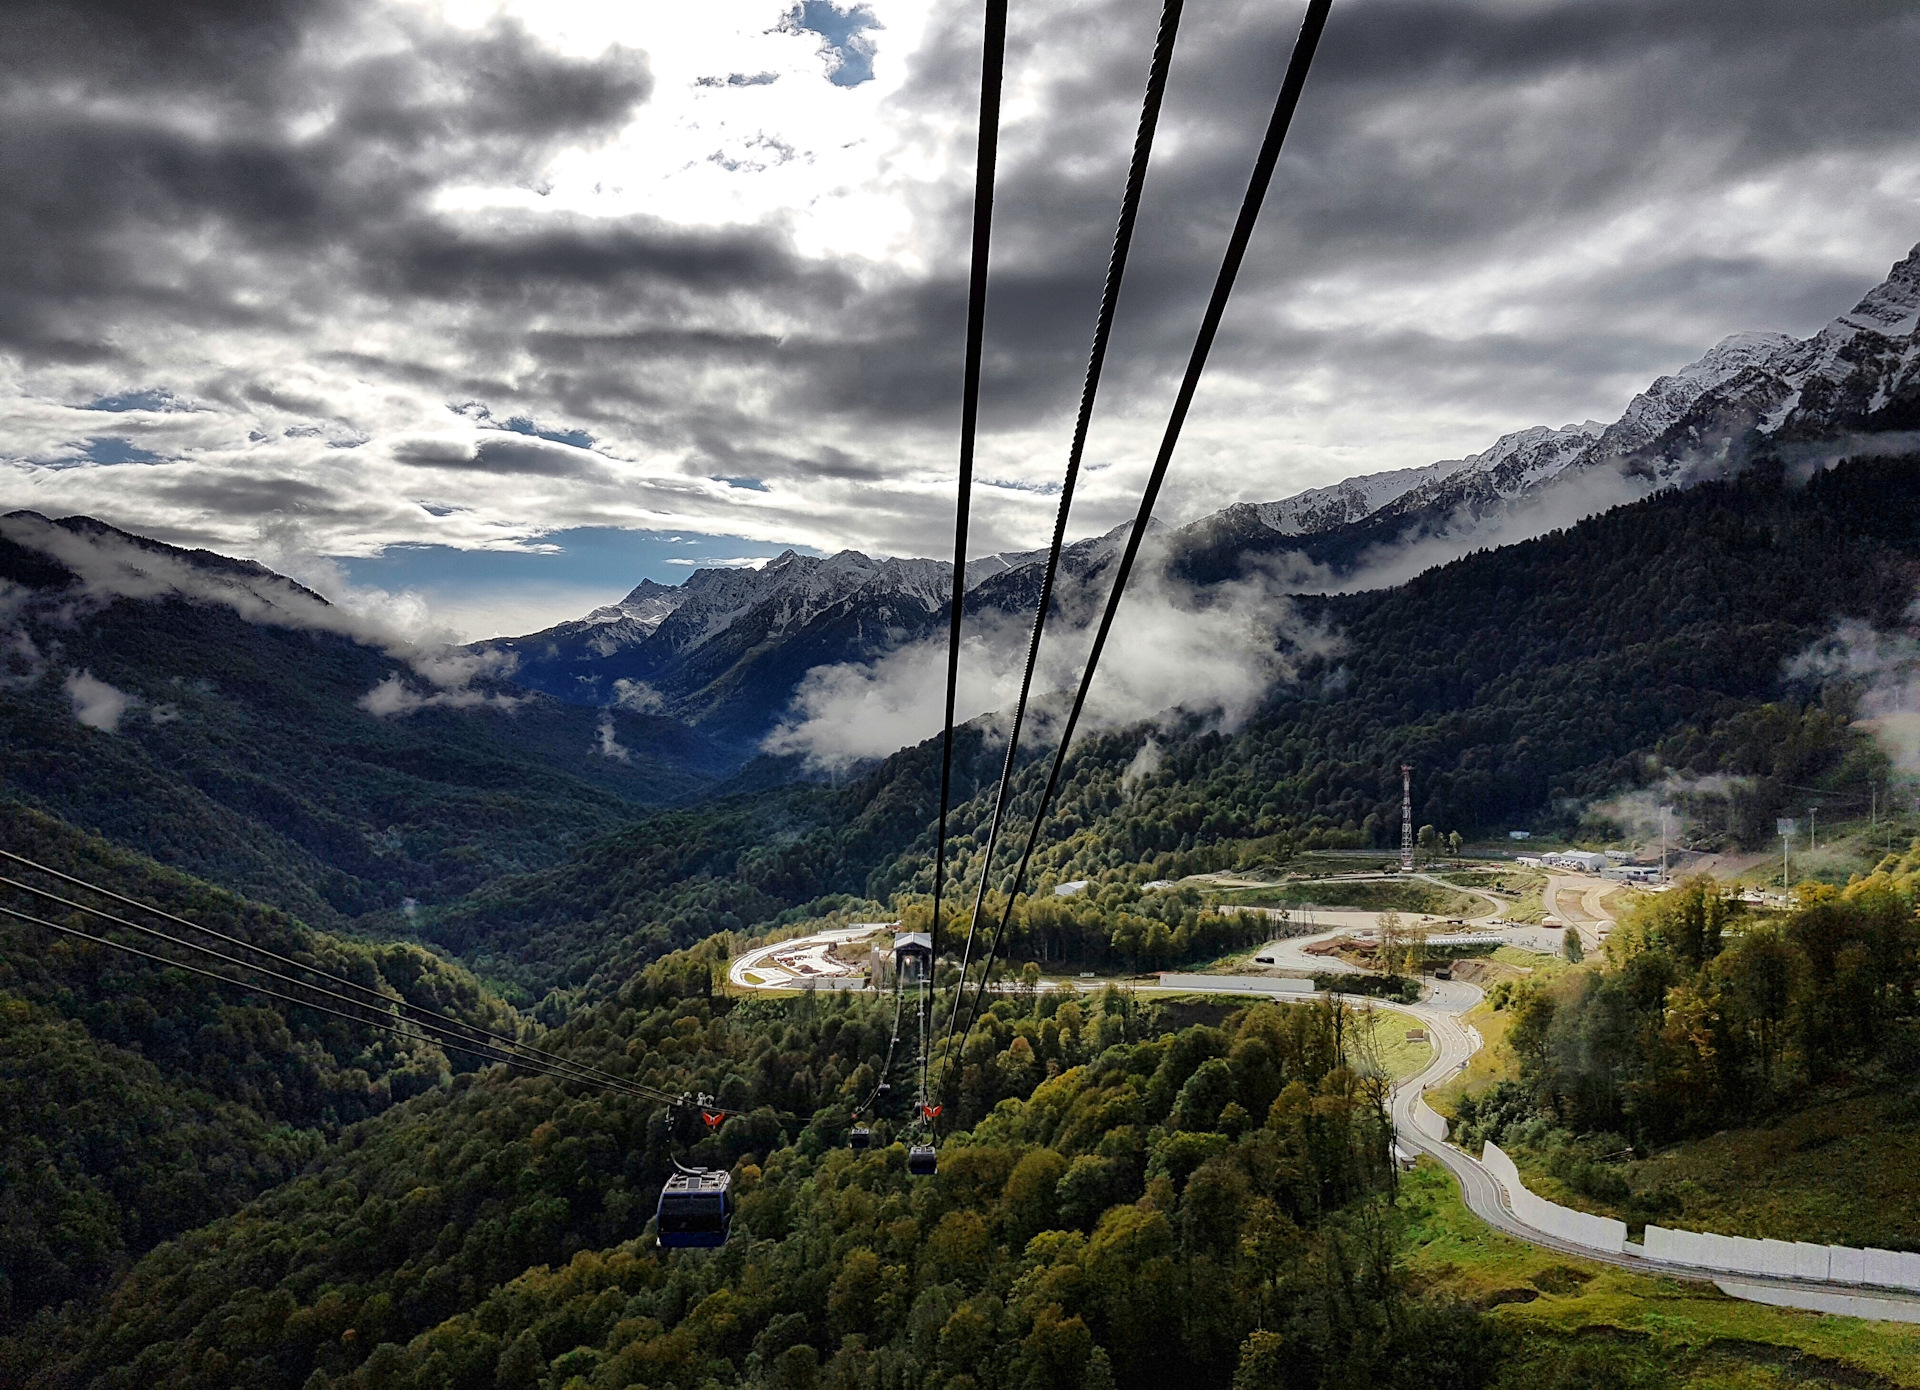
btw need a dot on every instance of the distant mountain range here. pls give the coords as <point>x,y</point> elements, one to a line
<point>727,649</point>
<point>227,721</point>
<point>224,719</point>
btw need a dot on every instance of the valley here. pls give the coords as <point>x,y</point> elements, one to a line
<point>576,843</point>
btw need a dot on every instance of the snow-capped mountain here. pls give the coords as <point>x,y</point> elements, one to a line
<point>727,649</point>
<point>1859,373</point>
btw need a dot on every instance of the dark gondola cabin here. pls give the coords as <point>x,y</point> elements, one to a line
<point>861,1138</point>
<point>922,1161</point>
<point>696,1210</point>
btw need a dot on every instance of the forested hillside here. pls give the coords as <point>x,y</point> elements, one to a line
<point>1138,1204</point>
<point>243,751</point>
<point>1521,684</point>
<point>141,1101</point>
<point>231,1193</point>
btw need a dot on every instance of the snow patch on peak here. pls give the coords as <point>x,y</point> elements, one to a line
<point>1891,308</point>
<point>1734,354</point>
<point>1323,508</point>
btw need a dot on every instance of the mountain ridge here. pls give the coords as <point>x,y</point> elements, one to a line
<point>728,650</point>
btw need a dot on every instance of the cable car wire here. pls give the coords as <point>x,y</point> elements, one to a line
<point>1289,98</point>
<point>992,71</point>
<point>1090,388</point>
<point>521,1062</point>
<point>384,1001</point>
<point>437,1023</point>
<point>893,1043</point>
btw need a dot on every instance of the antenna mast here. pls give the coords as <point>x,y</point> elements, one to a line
<point>1406,818</point>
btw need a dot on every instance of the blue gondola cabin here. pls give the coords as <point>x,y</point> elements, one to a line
<point>696,1210</point>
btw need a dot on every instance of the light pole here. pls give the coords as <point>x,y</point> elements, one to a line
<point>1813,829</point>
<point>1786,828</point>
<point>1665,811</point>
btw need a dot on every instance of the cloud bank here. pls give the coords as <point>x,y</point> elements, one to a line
<point>412,274</point>
<point>107,565</point>
<point>1214,652</point>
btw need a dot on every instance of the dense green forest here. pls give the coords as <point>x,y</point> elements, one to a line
<point>1705,1016</point>
<point>206,1187</point>
<point>1122,1203</point>
<point>245,756</point>
<point>142,1101</point>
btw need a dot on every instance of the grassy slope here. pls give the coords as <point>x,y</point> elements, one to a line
<point>1653,1332</point>
<point>1388,1045</point>
<point>1492,1064</point>
<point>1846,1172</point>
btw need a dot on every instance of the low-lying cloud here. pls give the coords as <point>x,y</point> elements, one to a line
<point>1215,651</point>
<point>1566,501</point>
<point>1882,669</point>
<point>97,704</point>
<point>108,565</point>
<point>606,741</point>
<point>394,696</point>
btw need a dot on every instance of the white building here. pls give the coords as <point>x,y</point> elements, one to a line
<point>1575,859</point>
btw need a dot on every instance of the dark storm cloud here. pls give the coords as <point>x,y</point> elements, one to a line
<point>518,454</point>
<point>1428,131</point>
<point>524,255</point>
<point>255,496</point>
<point>112,202</point>
<point>254,171</point>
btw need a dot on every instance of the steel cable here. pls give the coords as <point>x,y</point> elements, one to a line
<point>992,68</point>
<point>1289,98</point>
<point>1090,388</point>
<point>521,1062</point>
<point>439,1023</point>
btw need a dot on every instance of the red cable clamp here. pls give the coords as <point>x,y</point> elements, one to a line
<point>713,1121</point>
<point>931,1112</point>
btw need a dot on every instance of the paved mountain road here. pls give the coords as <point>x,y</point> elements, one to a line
<point>804,961</point>
<point>1421,1129</point>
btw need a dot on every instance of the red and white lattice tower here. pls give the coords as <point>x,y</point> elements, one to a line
<point>1406,818</point>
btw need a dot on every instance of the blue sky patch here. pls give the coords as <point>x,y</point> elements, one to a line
<point>751,484</point>
<point>739,79</point>
<point>154,399</point>
<point>520,424</point>
<point>575,571</point>
<point>113,449</point>
<point>844,37</point>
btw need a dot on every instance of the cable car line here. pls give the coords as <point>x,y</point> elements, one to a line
<point>1289,98</point>
<point>992,71</point>
<point>881,1083</point>
<point>424,1015</point>
<point>436,1023</point>
<point>520,1062</point>
<point>1096,360</point>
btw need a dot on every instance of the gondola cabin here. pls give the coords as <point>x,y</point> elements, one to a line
<point>696,1210</point>
<point>860,1138</point>
<point>912,957</point>
<point>922,1161</point>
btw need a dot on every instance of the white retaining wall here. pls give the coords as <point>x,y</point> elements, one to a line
<point>1594,1232</point>
<point>1834,1264</point>
<point>1783,1259</point>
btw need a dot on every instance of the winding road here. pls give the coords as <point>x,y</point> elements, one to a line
<point>806,962</point>
<point>1421,1129</point>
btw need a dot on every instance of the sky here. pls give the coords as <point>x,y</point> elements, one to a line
<point>507,306</point>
